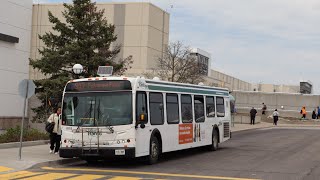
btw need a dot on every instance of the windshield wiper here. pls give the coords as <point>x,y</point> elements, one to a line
<point>99,112</point>
<point>86,115</point>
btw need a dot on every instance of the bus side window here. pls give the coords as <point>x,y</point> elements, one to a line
<point>220,107</point>
<point>141,106</point>
<point>199,108</point>
<point>186,108</point>
<point>156,108</point>
<point>172,109</point>
<point>211,109</point>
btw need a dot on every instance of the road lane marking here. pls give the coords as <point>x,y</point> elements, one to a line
<point>19,174</point>
<point>147,173</point>
<point>124,178</point>
<point>86,177</point>
<point>4,169</point>
<point>51,176</point>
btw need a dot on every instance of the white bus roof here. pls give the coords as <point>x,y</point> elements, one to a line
<point>140,83</point>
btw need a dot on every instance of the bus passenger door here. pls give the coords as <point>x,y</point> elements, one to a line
<point>142,124</point>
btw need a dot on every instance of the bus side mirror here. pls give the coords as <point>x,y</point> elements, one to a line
<point>142,118</point>
<point>142,125</point>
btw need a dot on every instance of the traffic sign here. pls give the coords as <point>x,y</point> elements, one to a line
<point>26,87</point>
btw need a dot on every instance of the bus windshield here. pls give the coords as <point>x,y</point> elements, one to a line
<point>97,109</point>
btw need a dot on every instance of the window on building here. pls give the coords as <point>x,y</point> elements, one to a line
<point>156,108</point>
<point>199,108</point>
<point>203,62</point>
<point>210,107</point>
<point>186,108</point>
<point>172,109</point>
<point>141,105</point>
<point>220,106</point>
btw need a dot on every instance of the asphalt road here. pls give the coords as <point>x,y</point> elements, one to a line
<point>272,153</point>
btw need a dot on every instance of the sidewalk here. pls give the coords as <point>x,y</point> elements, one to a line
<point>30,156</point>
<point>282,124</point>
<point>241,127</point>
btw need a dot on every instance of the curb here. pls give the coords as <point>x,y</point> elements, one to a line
<point>55,162</point>
<point>280,126</point>
<point>26,143</point>
<point>250,129</point>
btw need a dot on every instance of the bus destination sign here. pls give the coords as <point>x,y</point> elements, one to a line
<point>110,85</point>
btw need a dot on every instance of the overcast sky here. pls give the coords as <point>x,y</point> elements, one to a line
<point>265,41</point>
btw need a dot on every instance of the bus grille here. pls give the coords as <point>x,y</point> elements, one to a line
<point>226,130</point>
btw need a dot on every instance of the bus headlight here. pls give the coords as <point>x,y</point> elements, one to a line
<point>69,141</point>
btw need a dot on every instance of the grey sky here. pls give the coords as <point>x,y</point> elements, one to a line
<point>268,41</point>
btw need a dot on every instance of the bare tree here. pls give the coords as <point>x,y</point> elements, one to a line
<point>177,65</point>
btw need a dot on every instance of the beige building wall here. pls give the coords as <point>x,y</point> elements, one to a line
<point>142,30</point>
<point>276,88</point>
<point>220,79</point>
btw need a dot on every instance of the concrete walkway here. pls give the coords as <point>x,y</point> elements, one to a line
<point>241,127</point>
<point>33,155</point>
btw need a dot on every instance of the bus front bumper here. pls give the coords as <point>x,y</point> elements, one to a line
<point>102,152</point>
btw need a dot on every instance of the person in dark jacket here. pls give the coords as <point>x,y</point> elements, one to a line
<point>275,115</point>
<point>253,113</point>
<point>314,115</point>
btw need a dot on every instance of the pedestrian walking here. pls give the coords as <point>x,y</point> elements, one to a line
<point>55,136</point>
<point>253,113</point>
<point>318,115</point>
<point>264,108</point>
<point>275,115</point>
<point>303,112</point>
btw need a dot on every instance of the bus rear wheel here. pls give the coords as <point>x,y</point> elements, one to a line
<point>154,151</point>
<point>215,141</point>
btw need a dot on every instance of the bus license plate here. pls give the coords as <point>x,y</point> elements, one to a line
<point>120,152</point>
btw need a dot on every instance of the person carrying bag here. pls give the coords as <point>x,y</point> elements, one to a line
<point>49,127</point>
<point>54,128</point>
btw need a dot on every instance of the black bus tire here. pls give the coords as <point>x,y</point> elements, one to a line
<point>154,151</point>
<point>215,141</point>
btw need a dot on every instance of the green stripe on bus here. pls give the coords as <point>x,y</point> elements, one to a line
<point>183,90</point>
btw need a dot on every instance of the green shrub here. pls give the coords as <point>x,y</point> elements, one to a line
<point>13,135</point>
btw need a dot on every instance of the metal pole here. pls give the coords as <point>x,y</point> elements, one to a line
<point>24,112</point>
<point>46,105</point>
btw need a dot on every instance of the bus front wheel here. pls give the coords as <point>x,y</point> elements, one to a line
<point>154,151</point>
<point>215,141</point>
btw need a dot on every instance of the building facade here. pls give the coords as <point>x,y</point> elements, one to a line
<point>204,60</point>
<point>272,88</point>
<point>15,36</point>
<point>220,79</point>
<point>142,30</point>
<point>306,87</point>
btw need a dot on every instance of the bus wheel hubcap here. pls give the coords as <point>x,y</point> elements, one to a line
<point>154,149</point>
<point>215,141</point>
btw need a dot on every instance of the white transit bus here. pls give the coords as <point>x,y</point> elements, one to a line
<point>135,117</point>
